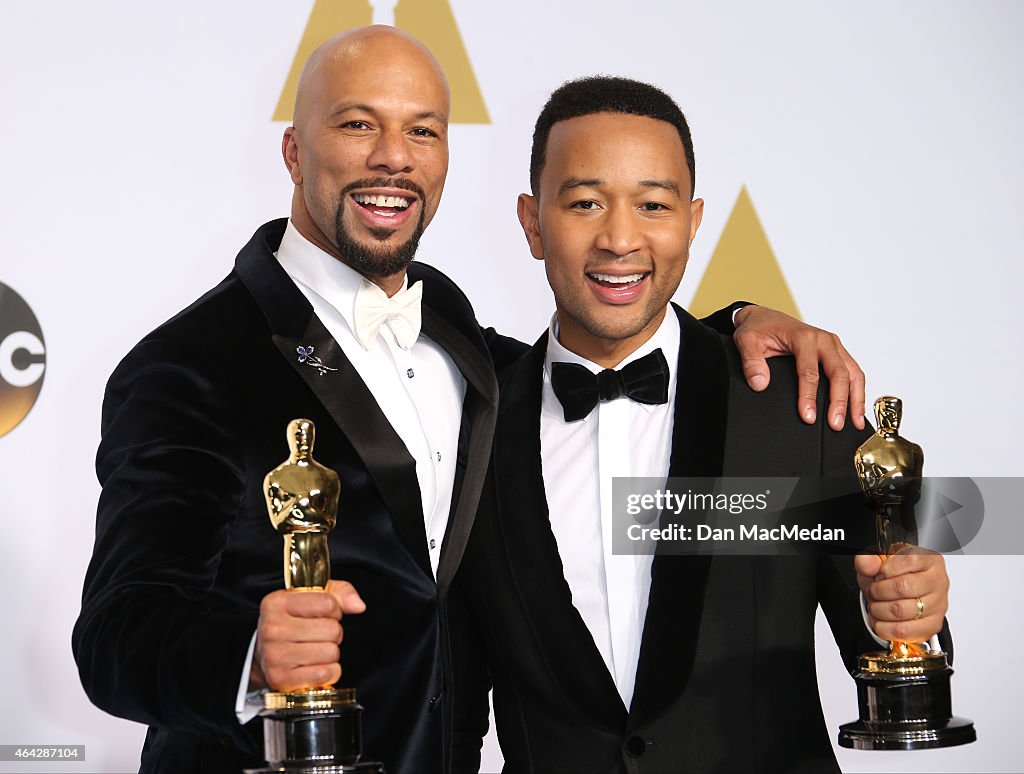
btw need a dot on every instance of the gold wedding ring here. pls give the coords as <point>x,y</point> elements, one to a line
<point>920,609</point>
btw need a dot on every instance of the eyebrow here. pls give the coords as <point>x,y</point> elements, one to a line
<point>370,109</point>
<point>573,183</point>
<point>578,182</point>
<point>667,185</point>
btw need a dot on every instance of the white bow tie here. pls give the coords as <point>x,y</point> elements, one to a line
<point>401,313</point>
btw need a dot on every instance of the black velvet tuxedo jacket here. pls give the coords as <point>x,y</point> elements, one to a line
<point>726,677</point>
<point>193,419</point>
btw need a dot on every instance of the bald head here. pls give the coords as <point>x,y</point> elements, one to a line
<point>360,48</point>
<point>368,149</point>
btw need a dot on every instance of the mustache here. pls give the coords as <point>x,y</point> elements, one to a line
<point>385,182</point>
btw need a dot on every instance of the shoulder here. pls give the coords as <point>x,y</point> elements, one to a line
<point>217,340</point>
<point>766,426</point>
<point>440,292</point>
<point>231,312</point>
<point>446,300</point>
<point>217,322</point>
<point>526,364</point>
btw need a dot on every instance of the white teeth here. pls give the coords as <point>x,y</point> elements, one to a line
<point>618,280</point>
<point>382,201</point>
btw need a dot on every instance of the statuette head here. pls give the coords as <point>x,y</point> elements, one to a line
<point>301,435</point>
<point>888,412</point>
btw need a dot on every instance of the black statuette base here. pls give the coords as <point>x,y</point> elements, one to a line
<point>355,768</point>
<point>905,712</point>
<point>314,741</point>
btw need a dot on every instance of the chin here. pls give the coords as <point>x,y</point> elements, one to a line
<point>616,330</point>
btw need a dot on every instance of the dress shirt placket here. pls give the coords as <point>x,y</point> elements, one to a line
<point>425,451</point>
<point>620,571</point>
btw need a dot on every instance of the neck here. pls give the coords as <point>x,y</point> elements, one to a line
<point>605,352</point>
<point>305,225</point>
<point>390,284</point>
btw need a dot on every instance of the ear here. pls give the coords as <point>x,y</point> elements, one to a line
<point>528,218</point>
<point>290,152</point>
<point>696,213</point>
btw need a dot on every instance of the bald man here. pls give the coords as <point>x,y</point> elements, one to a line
<point>323,317</point>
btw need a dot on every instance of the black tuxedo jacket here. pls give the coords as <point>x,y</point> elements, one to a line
<point>726,677</point>
<point>193,418</point>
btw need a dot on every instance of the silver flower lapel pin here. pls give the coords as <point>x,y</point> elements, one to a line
<point>306,356</point>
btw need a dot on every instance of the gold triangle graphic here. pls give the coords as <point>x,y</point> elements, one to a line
<point>431,21</point>
<point>743,266</point>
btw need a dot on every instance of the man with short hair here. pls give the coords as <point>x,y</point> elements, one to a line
<point>605,662</point>
<point>183,620</point>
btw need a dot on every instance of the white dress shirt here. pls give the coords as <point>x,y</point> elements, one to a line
<point>420,391</point>
<point>579,460</point>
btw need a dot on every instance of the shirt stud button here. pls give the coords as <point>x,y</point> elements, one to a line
<point>410,373</point>
<point>433,544</point>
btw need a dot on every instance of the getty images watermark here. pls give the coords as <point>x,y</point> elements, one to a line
<point>735,504</point>
<point>800,515</point>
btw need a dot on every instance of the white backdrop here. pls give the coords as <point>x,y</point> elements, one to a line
<point>879,141</point>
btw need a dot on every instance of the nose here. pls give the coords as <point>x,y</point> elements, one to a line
<point>391,153</point>
<point>619,232</point>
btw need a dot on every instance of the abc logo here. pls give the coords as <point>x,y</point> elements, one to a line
<point>22,359</point>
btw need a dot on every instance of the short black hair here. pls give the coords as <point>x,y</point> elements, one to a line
<point>606,94</point>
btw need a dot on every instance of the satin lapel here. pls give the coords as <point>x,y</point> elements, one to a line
<point>340,389</point>
<point>676,602</point>
<point>561,637</point>
<point>480,409</point>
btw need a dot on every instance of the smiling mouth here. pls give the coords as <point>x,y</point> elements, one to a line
<point>617,282</point>
<point>384,206</point>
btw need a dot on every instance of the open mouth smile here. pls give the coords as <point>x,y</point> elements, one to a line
<point>386,206</point>
<point>619,282</point>
<point>618,288</point>
<point>385,209</point>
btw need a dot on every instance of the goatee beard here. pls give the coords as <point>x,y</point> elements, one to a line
<point>378,260</point>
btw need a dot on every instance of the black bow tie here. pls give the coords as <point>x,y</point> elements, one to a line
<point>578,390</point>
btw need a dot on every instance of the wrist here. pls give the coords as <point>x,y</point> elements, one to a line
<point>257,680</point>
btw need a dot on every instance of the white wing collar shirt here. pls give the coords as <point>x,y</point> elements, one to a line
<point>416,384</point>
<point>579,459</point>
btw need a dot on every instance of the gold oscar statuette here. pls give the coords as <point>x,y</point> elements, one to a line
<point>317,728</point>
<point>302,500</point>
<point>903,692</point>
